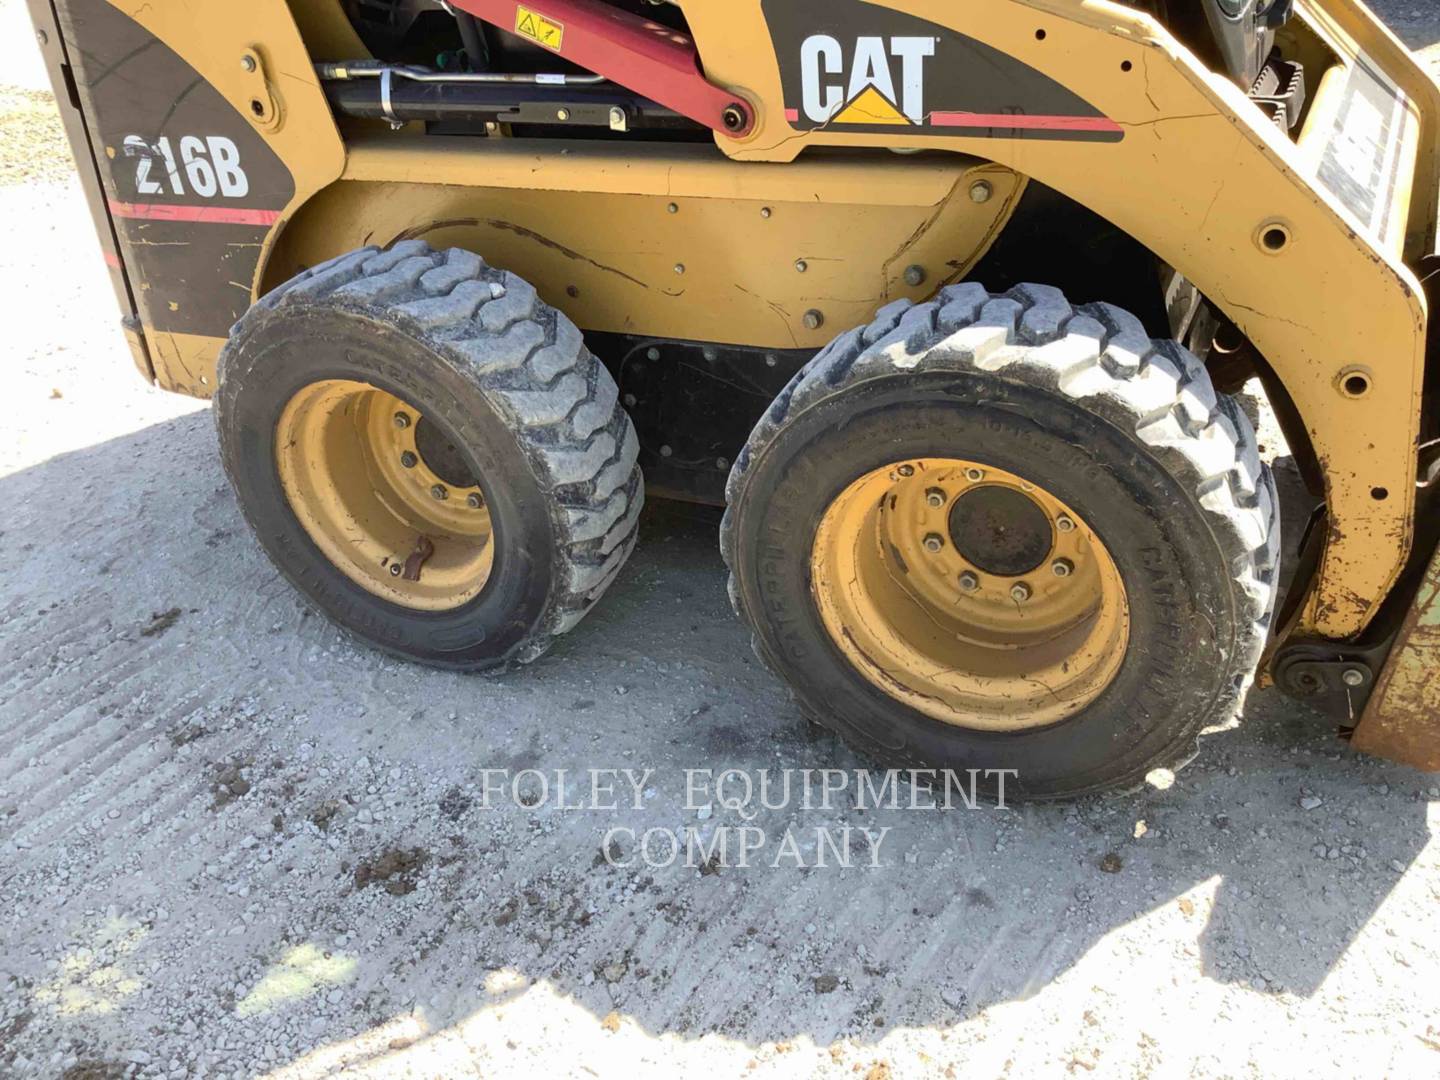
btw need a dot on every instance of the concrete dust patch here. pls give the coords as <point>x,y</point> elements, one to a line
<point>33,146</point>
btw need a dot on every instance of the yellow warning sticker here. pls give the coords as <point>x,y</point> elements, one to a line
<point>538,28</point>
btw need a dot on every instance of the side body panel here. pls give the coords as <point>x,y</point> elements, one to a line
<point>192,187</point>
<point>675,243</point>
<point>208,128</point>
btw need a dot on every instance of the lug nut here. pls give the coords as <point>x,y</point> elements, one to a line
<point>801,266</point>
<point>395,569</point>
<point>1020,592</point>
<point>980,191</point>
<point>1064,524</point>
<point>1062,568</point>
<point>438,493</point>
<point>409,460</point>
<point>1353,677</point>
<point>914,276</point>
<point>247,63</point>
<point>934,542</point>
<point>935,498</point>
<point>814,319</point>
<point>906,470</point>
<point>402,420</point>
<point>974,475</point>
<point>474,501</point>
<point>969,582</point>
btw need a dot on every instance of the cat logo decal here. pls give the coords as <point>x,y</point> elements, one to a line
<point>861,68</point>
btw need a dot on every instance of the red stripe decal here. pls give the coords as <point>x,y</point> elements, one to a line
<point>205,215</point>
<point>1015,121</point>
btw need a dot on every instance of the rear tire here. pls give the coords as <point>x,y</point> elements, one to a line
<point>1126,431</point>
<point>528,458</point>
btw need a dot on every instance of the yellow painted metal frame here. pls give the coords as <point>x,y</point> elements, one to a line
<point>675,243</point>
<point>1198,175</point>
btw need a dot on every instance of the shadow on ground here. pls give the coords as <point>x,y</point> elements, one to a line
<point>119,731</point>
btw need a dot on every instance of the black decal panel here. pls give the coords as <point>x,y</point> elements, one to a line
<point>853,66</point>
<point>191,186</point>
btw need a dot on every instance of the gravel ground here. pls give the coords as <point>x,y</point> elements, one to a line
<point>232,842</point>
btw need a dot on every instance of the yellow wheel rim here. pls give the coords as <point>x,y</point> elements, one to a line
<point>384,496</point>
<point>970,594</point>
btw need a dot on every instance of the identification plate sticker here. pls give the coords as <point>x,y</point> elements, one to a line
<point>1361,162</point>
<point>539,29</point>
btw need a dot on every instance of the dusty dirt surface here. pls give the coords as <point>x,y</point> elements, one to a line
<point>234,843</point>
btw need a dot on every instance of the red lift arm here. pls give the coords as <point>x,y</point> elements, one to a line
<point>652,60</point>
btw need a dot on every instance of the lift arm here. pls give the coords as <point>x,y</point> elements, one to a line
<point>652,60</point>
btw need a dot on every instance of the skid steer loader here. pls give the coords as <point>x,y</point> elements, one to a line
<point>946,302</point>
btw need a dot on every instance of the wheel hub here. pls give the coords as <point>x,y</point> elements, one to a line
<point>970,593</point>
<point>1000,530</point>
<point>442,456</point>
<point>385,495</point>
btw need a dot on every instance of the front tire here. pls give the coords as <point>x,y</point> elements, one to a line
<point>1089,454</point>
<point>430,454</point>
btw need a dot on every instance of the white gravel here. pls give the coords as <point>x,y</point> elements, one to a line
<point>241,845</point>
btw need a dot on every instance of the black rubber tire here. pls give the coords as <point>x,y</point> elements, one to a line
<point>507,379</point>
<point>1126,430</point>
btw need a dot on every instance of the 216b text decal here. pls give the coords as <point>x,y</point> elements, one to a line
<point>207,166</point>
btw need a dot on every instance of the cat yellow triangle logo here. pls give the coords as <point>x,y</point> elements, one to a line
<point>871,107</point>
